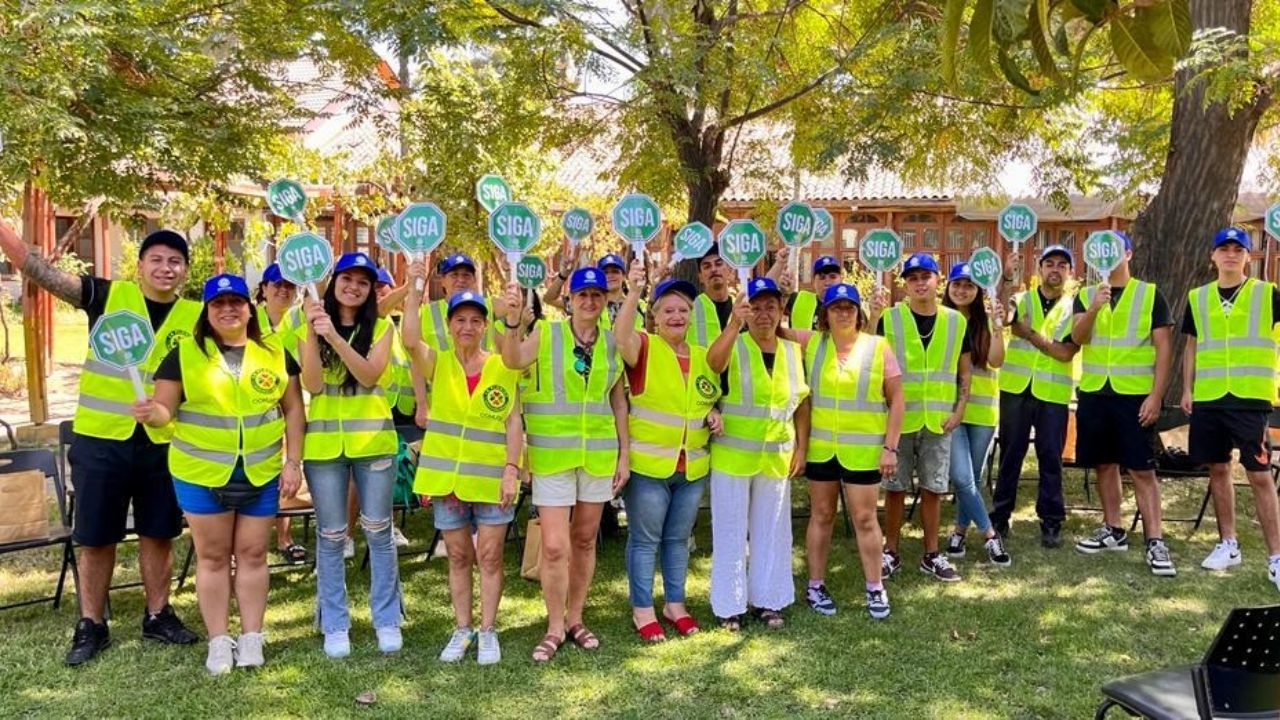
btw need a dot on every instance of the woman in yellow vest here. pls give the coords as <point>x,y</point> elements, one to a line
<point>673,393</point>
<point>763,445</point>
<point>470,460</point>
<point>234,398</point>
<point>971,440</point>
<point>350,435</point>
<point>856,408</point>
<point>575,415</point>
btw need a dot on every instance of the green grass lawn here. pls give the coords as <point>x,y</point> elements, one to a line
<point>1033,640</point>
<point>70,336</point>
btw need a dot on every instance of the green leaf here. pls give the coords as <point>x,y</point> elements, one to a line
<point>980,34</point>
<point>1038,25</point>
<point>1010,22</point>
<point>1013,73</point>
<point>1170,25</point>
<point>951,38</point>
<point>1136,49</point>
<point>1095,10</point>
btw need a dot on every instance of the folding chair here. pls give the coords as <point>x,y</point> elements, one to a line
<point>59,531</point>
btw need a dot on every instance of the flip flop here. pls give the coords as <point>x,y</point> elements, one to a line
<point>545,650</point>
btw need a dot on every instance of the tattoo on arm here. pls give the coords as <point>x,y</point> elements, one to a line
<point>62,284</point>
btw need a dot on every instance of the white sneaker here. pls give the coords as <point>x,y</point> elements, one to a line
<point>1273,573</point>
<point>221,656</point>
<point>488,653</point>
<point>459,641</point>
<point>337,644</point>
<point>389,639</point>
<point>349,548</point>
<point>398,537</point>
<point>249,650</point>
<point>1222,557</point>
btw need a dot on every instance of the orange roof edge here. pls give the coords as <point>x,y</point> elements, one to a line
<point>388,75</point>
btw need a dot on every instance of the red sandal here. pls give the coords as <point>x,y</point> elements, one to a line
<point>686,625</point>
<point>650,632</point>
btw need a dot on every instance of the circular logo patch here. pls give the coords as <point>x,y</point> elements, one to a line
<point>496,398</point>
<point>172,339</point>
<point>704,387</point>
<point>264,381</point>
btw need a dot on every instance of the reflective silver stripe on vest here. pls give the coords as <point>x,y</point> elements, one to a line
<point>1131,338</point>
<point>214,456</point>
<point>457,431</point>
<point>463,468</point>
<point>700,319</point>
<point>101,368</point>
<point>336,390</point>
<point>441,327</point>
<point>1234,372</point>
<point>263,455</point>
<point>864,359</point>
<point>900,347</point>
<point>107,406</point>
<point>691,454</point>
<point>1114,371</point>
<point>195,417</point>
<point>350,425</point>
<point>657,416</point>
<point>558,404</point>
<point>989,374</point>
<point>1248,342</point>
<point>571,442</point>
<point>752,445</point>
<point>984,401</point>
<point>553,408</point>
<point>846,438</point>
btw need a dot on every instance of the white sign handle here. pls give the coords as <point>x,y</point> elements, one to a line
<point>419,283</point>
<point>744,277</point>
<point>879,279</point>
<point>139,392</point>
<point>637,249</point>
<point>676,257</point>
<point>513,257</point>
<point>311,290</point>
<point>793,265</point>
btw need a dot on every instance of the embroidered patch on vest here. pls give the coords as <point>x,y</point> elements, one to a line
<point>496,398</point>
<point>174,337</point>
<point>704,387</point>
<point>264,381</point>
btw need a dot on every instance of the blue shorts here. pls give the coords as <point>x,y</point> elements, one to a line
<point>450,513</point>
<point>200,500</point>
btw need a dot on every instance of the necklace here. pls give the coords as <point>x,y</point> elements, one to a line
<point>1228,303</point>
<point>581,342</point>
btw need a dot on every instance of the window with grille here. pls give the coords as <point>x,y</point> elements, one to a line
<point>955,239</point>
<point>931,238</point>
<point>978,237</point>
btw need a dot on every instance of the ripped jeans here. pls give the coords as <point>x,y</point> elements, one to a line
<point>374,478</point>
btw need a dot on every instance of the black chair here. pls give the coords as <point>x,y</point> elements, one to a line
<point>1239,676</point>
<point>59,531</point>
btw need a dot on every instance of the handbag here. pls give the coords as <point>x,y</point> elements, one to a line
<point>236,493</point>
<point>532,550</point>
<point>25,504</point>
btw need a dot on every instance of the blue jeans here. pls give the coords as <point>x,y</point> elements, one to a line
<point>969,446</point>
<point>660,514</point>
<point>374,478</point>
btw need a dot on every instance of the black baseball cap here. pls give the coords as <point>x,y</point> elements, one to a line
<point>168,238</point>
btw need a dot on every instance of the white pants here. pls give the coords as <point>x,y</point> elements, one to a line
<point>753,509</point>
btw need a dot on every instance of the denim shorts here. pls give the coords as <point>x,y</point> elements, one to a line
<point>200,500</point>
<point>450,513</point>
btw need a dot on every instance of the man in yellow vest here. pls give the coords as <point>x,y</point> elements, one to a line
<point>1228,387</point>
<point>1035,388</point>
<point>932,347</point>
<point>115,461</point>
<point>802,307</point>
<point>1124,329</point>
<point>713,306</point>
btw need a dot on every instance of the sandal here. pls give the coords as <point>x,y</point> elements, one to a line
<point>732,624</point>
<point>772,618</point>
<point>685,625</point>
<point>293,553</point>
<point>582,637</point>
<point>545,650</point>
<point>650,632</point>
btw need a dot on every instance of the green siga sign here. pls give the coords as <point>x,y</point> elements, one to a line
<point>742,243</point>
<point>693,241</point>
<point>577,224</point>
<point>514,228</point>
<point>304,258</point>
<point>420,228</point>
<point>985,267</point>
<point>636,218</point>
<point>1273,221</point>
<point>530,271</point>
<point>880,249</point>
<point>492,191</point>
<point>121,339</point>
<point>1016,222</point>
<point>286,198</point>
<point>795,224</point>
<point>1103,251</point>
<point>823,224</point>
<point>385,234</point>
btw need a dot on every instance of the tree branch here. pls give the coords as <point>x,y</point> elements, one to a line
<point>513,17</point>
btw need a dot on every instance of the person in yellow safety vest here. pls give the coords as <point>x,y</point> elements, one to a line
<point>971,440</point>
<point>1228,388</point>
<point>1125,332</point>
<point>713,306</point>
<point>762,445</point>
<point>615,275</point>
<point>350,434</point>
<point>932,347</point>
<point>575,415</point>
<point>856,407</point>
<point>1035,388</point>
<point>406,392</point>
<point>802,306</point>
<point>470,460</point>
<point>673,395</point>
<point>457,273</point>
<point>280,317</point>
<point>234,396</point>
<point>115,462</point>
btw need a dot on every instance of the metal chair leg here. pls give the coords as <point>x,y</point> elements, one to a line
<point>1204,506</point>
<point>186,564</point>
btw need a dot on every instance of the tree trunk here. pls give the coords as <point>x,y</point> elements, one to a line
<point>1201,180</point>
<point>700,156</point>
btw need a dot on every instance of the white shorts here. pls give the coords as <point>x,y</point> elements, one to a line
<point>566,489</point>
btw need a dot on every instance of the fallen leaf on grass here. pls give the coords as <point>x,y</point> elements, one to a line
<point>366,698</point>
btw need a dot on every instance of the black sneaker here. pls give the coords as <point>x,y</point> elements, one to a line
<point>820,600</point>
<point>1050,536</point>
<point>1158,558</point>
<point>89,639</point>
<point>877,604</point>
<point>936,565</point>
<point>955,545</point>
<point>996,552</point>
<point>165,627</point>
<point>1105,538</point>
<point>890,563</point>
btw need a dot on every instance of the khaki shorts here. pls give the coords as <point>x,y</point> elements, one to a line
<point>566,489</point>
<point>924,455</point>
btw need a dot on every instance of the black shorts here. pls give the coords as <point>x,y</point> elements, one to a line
<point>832,471</point>
<point>1214,432</point>
<point>110,474</point>
<point>1108,432</point>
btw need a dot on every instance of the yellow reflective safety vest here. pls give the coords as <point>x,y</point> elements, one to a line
<point>568,423</point>
<point>928,375</point>
<point>464,449</point>
<point>759,430</point>
<point>606,324</point>
<point>353,423</point>
<point>1024,365</point>
<point>670,416</point>
<point>983,407</point>
<point>1120,352</point>
<point>704,323</point>
<point>803,309</point>
<point>849,415</point>
<point>286,331</point>
<point>105,409</point>
<point>225,418</point>
<point>1236,351</point>
<point>435,326</point>
<point>397,379</point>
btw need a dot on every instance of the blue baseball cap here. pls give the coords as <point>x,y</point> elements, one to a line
<point>762,286</point>
<point>384,277</point>
<point>1232,235</point>
<point>920,261</point>
<point>272,273</point>
<point>675,285</point>
<point>456,260</point>
<point>356,261</point>
<point>960,271</point>
<point>611,259</point>
<point>225,284</point>
<point>826,262</point>
<point>1062,250</point>
<point>587,278</point>
<point>467,297</point>
<point>1128,244</point>
<point>841,291</point>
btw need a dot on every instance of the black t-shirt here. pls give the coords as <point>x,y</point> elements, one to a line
<point>1229,401</point>
<point>171,366</point>
<point>93,298</point>
<point>724,310</point>
<point>924,328</point>
<point>1161,316</point>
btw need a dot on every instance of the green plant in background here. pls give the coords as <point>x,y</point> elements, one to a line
<point>201,268</point>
